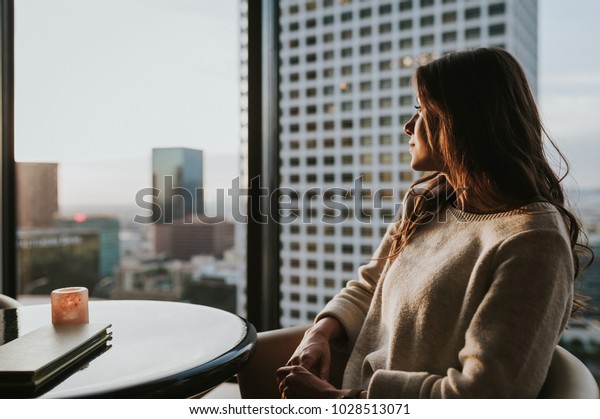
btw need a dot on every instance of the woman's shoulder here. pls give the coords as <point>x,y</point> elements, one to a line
<point>536,219</point>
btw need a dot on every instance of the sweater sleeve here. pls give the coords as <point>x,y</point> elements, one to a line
<point>350,306</point>
<point>510,340</point>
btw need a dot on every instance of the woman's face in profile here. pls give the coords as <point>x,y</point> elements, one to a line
<point>423,158</point>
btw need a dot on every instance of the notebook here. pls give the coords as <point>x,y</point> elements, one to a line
<point>47,354</point>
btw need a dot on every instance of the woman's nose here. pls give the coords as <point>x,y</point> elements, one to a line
<point>409,127</point>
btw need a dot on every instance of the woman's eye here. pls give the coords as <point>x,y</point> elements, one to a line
<point>418,108</point>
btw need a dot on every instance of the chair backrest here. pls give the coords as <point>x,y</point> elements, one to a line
<point>568,378</point>
<point>7,302</point>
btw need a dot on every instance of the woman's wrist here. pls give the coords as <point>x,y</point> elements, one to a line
<point>328,327</point>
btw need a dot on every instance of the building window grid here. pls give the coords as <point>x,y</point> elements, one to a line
<point>403,83</point>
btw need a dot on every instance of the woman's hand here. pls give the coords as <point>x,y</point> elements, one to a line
<point>313,353</point>
<point>296,382</point>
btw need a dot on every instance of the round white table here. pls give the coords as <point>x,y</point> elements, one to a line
<point>158,349</point>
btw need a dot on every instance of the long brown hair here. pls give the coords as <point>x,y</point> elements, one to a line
<point>482,119</point>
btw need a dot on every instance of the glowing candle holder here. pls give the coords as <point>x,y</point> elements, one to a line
<point>70,305</point>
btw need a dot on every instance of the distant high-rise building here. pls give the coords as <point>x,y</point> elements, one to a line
<point>181,241</point>
<point>108,233</point>
<point>177,175</point>
<point>37,194</point>
<point>51,258</point>
<point>346,93</point>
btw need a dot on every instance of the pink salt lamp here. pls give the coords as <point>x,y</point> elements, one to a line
<point>69,305</point>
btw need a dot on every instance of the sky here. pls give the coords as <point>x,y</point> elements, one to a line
<point>100,82</point>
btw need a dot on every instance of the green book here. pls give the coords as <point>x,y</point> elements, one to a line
<point>40,357</point>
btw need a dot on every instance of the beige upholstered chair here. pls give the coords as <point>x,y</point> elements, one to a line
<point>7,302</point>
<point>568,377</point>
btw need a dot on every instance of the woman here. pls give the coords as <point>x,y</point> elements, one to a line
<point>470,290</point>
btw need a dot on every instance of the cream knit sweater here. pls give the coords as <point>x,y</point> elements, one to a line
<point>472,307</point>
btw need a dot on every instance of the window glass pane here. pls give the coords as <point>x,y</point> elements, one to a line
<point>125,133</point>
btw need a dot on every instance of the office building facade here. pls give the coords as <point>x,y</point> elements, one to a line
<point>177,176</point>
<point>346,93</point>
<point>37,194</point>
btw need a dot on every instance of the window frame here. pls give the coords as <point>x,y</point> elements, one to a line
<point>8,244</point>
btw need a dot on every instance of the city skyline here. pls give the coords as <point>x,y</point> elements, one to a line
<point>569,92</point>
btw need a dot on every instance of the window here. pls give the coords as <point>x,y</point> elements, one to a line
<point>449,17</point>
<point>427,21</point>
<point>405,5</point>
<point>496,9</point>
<point>472,13</point>
<point>385,121</point>
<point>346,16</point>
<point>385,46</point>
<point>385,65</point>
<point>294,26</point>
<point>329,108</point>
<point>293,10</point>
<point>365,13</point>
<point>365,68</point>
<point>385,28</point>
<point>385,102</point>
<point>328,20</point>
<point>405,24</point>
<point>311,23</point>
<point>328,37</point>
<point>346,106</point>
<point>385,9</point>
<point>427,3</point>
<point>327,55</point>
<point>406,100</point>
<point>365,104</point>
<point>366,141</point>
<point>294,43</point>
<point>497,29</point>
<point>385,176</point>
<point>328,90</point>
<point>328,72</point>
<point>385,84</point>
<point>365,86</point>
<point>365,49</point>
<point>472,33</point>
<point>346,52</point>
<point>347,34</point>
<point>311,75</point>
<point>449,36</point>
<point>406,43</point>
<point>346,70</point>
<point>366,123</point>
<point>365,31</point>
<point>406,61</point>
<point>385,158</point>
<point>385,139</point>
<point>427,40</point>
<point>405,81</point>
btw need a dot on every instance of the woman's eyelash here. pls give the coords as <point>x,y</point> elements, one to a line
<point>418,107</point>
